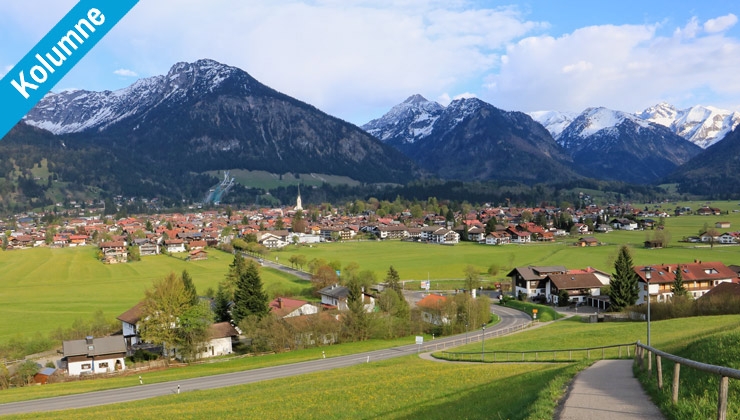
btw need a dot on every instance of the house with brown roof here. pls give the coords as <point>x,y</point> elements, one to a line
<point>498,238</point>
<point>198,255</point>
<point>531,281</point>
<point>130,325</point>
<point>579,286</point>
<point>114,252</point>
<point>587,241</point>
<point>221,339</point>
<point>94,355</point>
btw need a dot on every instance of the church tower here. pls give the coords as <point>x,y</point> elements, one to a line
<point>298,204</point>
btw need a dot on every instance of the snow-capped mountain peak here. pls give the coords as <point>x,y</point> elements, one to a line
<point>72,111</point>
<point>701,125</point>
<point>554,121</point>
<point>406,122</point>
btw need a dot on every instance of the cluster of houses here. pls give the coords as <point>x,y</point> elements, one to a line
<point>544,283</point>
<point>193,232</point>
<point>108,354</point>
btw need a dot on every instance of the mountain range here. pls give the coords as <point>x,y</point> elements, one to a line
<point>470,139</point>
<point>160,135</point>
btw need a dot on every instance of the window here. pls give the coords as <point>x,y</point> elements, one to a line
<point>103,365</point>
<point>86,366</point>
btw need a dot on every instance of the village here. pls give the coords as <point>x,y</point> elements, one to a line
<point>272,228</point>
<point>191,235</point>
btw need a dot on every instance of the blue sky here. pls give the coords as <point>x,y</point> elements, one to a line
<point>357,58</point>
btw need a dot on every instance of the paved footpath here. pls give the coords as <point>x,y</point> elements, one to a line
<point>607,390</point>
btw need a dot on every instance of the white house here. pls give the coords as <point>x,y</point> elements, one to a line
<point>174,245</point>
<point>94,355</point>
<point>531,280</point>
<point>130,325</point>
<point>287,307</point>
<point>221,339</point>
<point>334,296</point>
<point>727,238</point>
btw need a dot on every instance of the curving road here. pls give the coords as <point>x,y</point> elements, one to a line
<point>510,319</point>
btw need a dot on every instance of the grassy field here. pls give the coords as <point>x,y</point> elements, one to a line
<point>420,389</point>
<point>42,289</point>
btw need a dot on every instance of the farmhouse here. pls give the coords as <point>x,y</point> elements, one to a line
<point>578,286</point>
<point>174,245</point>
<point>588,241</point>
<point>698,278</point>
<point>114,252</point>
<point>287,307</point>
<point>531,281</point>
<point>94,355</point>
<point>221,338</point>
<point>334,297</point>
<point>198,255</point>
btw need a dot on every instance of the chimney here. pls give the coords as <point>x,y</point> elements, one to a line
<point>89,340</point>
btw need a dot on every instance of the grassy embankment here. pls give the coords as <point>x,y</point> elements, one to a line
<point>420,389</point>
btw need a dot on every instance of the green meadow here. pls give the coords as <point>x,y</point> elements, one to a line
<point>420,388</point>
<point>42,289</point>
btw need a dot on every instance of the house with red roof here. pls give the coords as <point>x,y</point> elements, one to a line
<point>286,307</point>
<point>433,309</point>
<point>698,278</point>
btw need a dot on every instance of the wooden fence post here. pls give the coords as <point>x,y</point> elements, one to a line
<point>659,365</point>
<point>650,361</point>
<point>724,383</point>
<point>676,374</point>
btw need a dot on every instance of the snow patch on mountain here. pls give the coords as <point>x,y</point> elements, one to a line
<point>73,111</point>
<point>554,121</point>
<point>407,122</point>
<point>701,125</point>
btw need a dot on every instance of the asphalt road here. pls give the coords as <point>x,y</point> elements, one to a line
<point>510,318</point>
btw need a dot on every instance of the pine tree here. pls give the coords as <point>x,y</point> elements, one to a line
<point>221,304</point>
<point>249,298</point>
<point>357,321</point>
<point>678,288</point>
<point>623,288</point>
<point>187,281</point>
<point>392,279</point>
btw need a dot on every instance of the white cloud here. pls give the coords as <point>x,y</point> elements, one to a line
<point>125,73</point>
<point>625,67</point>
<point>348,58</point>
<point>689,31</point>
<point>465,95</point>
<point>720,24</point>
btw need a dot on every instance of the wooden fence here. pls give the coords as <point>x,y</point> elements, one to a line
<point>560,355</point>
<point>724,373</point>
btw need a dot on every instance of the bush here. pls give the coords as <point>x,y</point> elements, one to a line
<point>143,356</point>
<point>683,307</point>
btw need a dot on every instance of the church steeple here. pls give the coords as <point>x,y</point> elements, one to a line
<point>298,204</point>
